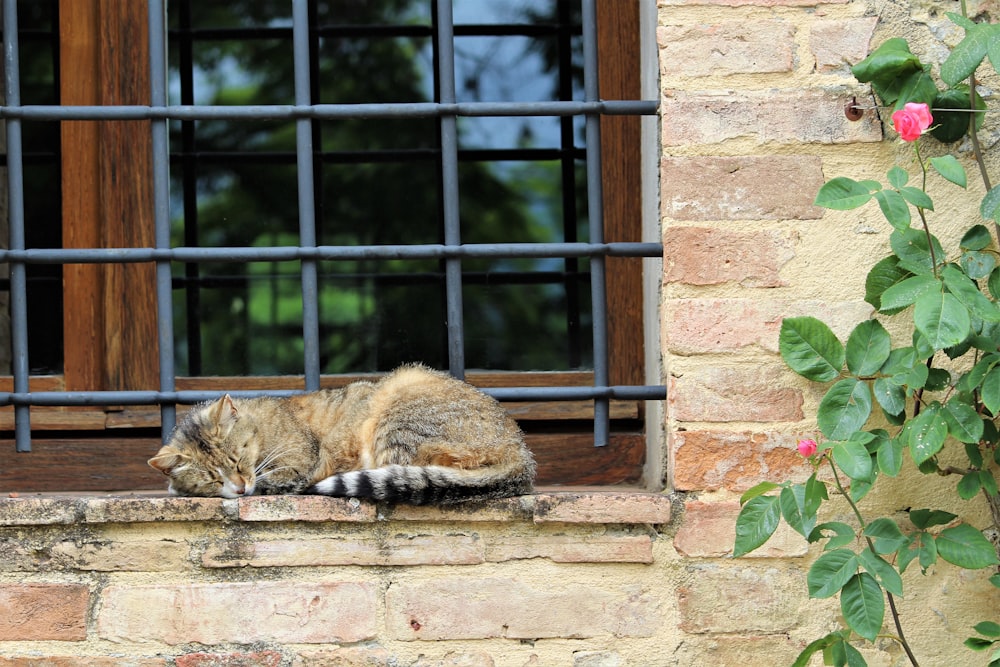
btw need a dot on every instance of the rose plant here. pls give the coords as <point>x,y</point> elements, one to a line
<point>927,402</point>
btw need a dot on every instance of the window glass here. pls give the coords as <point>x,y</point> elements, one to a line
<point>378,182</point>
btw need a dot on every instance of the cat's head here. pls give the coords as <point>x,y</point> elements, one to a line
<point>206,454</point>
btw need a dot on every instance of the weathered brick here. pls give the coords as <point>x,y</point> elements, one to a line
<point>305,508</point>
<point>606,507</point>
<point>734,394</point>
<point>772,116</point>
<point>399,550</point>
<point>517,508</point>
<point>706,256</point>
<point>753,3</point>
<point>35,612</point>
<point>709,531</point>
<point>114,556</point>
<point>487,607</point>
<point>282,611</point>
<point>458,659</point>
<point>711,460</point>
<point>741,187</point>
<point>733,599</point>
<point>597,659</point>
<point>573,548</point>
<point>147,509</point>
<point>839,44</point>
<point>78,660</point>
<point>745,651</point>
<point>259,659</point>
<point>345,657</point>
<point>702,326</point>
<point>729,47</point>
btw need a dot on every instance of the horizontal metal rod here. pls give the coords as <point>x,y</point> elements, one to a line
<point>511,394</point>
<point>358,253</point>
<point>329,111</point>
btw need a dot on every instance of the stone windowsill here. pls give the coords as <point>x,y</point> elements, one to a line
<point>562,506</point>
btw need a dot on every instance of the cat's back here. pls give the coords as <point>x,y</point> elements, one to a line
<point>420,397</point>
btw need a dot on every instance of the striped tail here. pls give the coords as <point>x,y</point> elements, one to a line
<point>425,485</point>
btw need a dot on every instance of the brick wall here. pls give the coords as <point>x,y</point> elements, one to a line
<point>752,123</point>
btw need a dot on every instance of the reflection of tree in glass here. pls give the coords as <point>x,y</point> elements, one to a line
<point>378,183</point>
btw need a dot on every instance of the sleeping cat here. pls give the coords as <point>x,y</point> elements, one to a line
<point>416,436</point>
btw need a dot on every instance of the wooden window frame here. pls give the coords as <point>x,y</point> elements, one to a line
<point>107,202</point>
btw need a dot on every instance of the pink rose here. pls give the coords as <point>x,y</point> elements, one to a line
<point>807,447</point>
<point>912,120</point>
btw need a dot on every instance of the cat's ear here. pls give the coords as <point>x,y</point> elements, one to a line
<point>166,459</point>
<point>224,414</point>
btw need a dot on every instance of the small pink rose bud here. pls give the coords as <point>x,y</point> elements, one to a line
<point>807,447</point>
<point>912,120</point>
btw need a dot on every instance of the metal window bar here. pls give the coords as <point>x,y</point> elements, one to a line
<point>452,251</point>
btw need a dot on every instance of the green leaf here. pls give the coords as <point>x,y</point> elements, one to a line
<point>988,628</point>
<point>912,249</point>
<point>976,264</point>
<point>810,348</point>
<point>995,580</point>
<point>844,409</point>
<point>952,170</point>
<point>990,395</point>
<point>989,484</point>
<point>830,572</point>
<point>925,518</point>
<point>868,347</point>
<point>898,177</point>
<point>927,433</point>
<point>814,647</point>
<point>928,551</point>
<point>890,396</point>
<point>968,54</point>
<point>881,277</point>
<point>978,237</point>
<point>977,643</point>
<point>894,208</point>
<point>890,457</point>
<point>886,535</point>
<point>941,318</point>
<point>793,508</point>
<point>988,208</point>
<point>756,522</point>
<point>842,194</point>
<point>953,125</point>
<point>967,292</point>
<point>885,574</point>
<point>905,292</point>
<point>964,423</point>
<point>916,87</point>
<point>863,605</point>
<point>891,60</point>
<point>917,197</point>
<point>842,535</point>
<point>969,485</point>
<point>964,546</point>
<point>853,459</point>
<point>757,490</point>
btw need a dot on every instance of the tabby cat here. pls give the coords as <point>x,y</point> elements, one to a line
<point>416,436</point>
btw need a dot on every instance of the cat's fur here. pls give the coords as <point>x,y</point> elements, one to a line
<point>417,436</point>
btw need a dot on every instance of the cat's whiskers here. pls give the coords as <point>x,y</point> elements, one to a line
<point>262,472</point>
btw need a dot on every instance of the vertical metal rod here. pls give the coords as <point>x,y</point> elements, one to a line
<point>307,200</point>
<point>595,209</point>
<point>161,208</point>
<point>445,35</point>
<point>15,207</point>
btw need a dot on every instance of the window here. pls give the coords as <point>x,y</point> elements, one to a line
<point>321,194</point>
